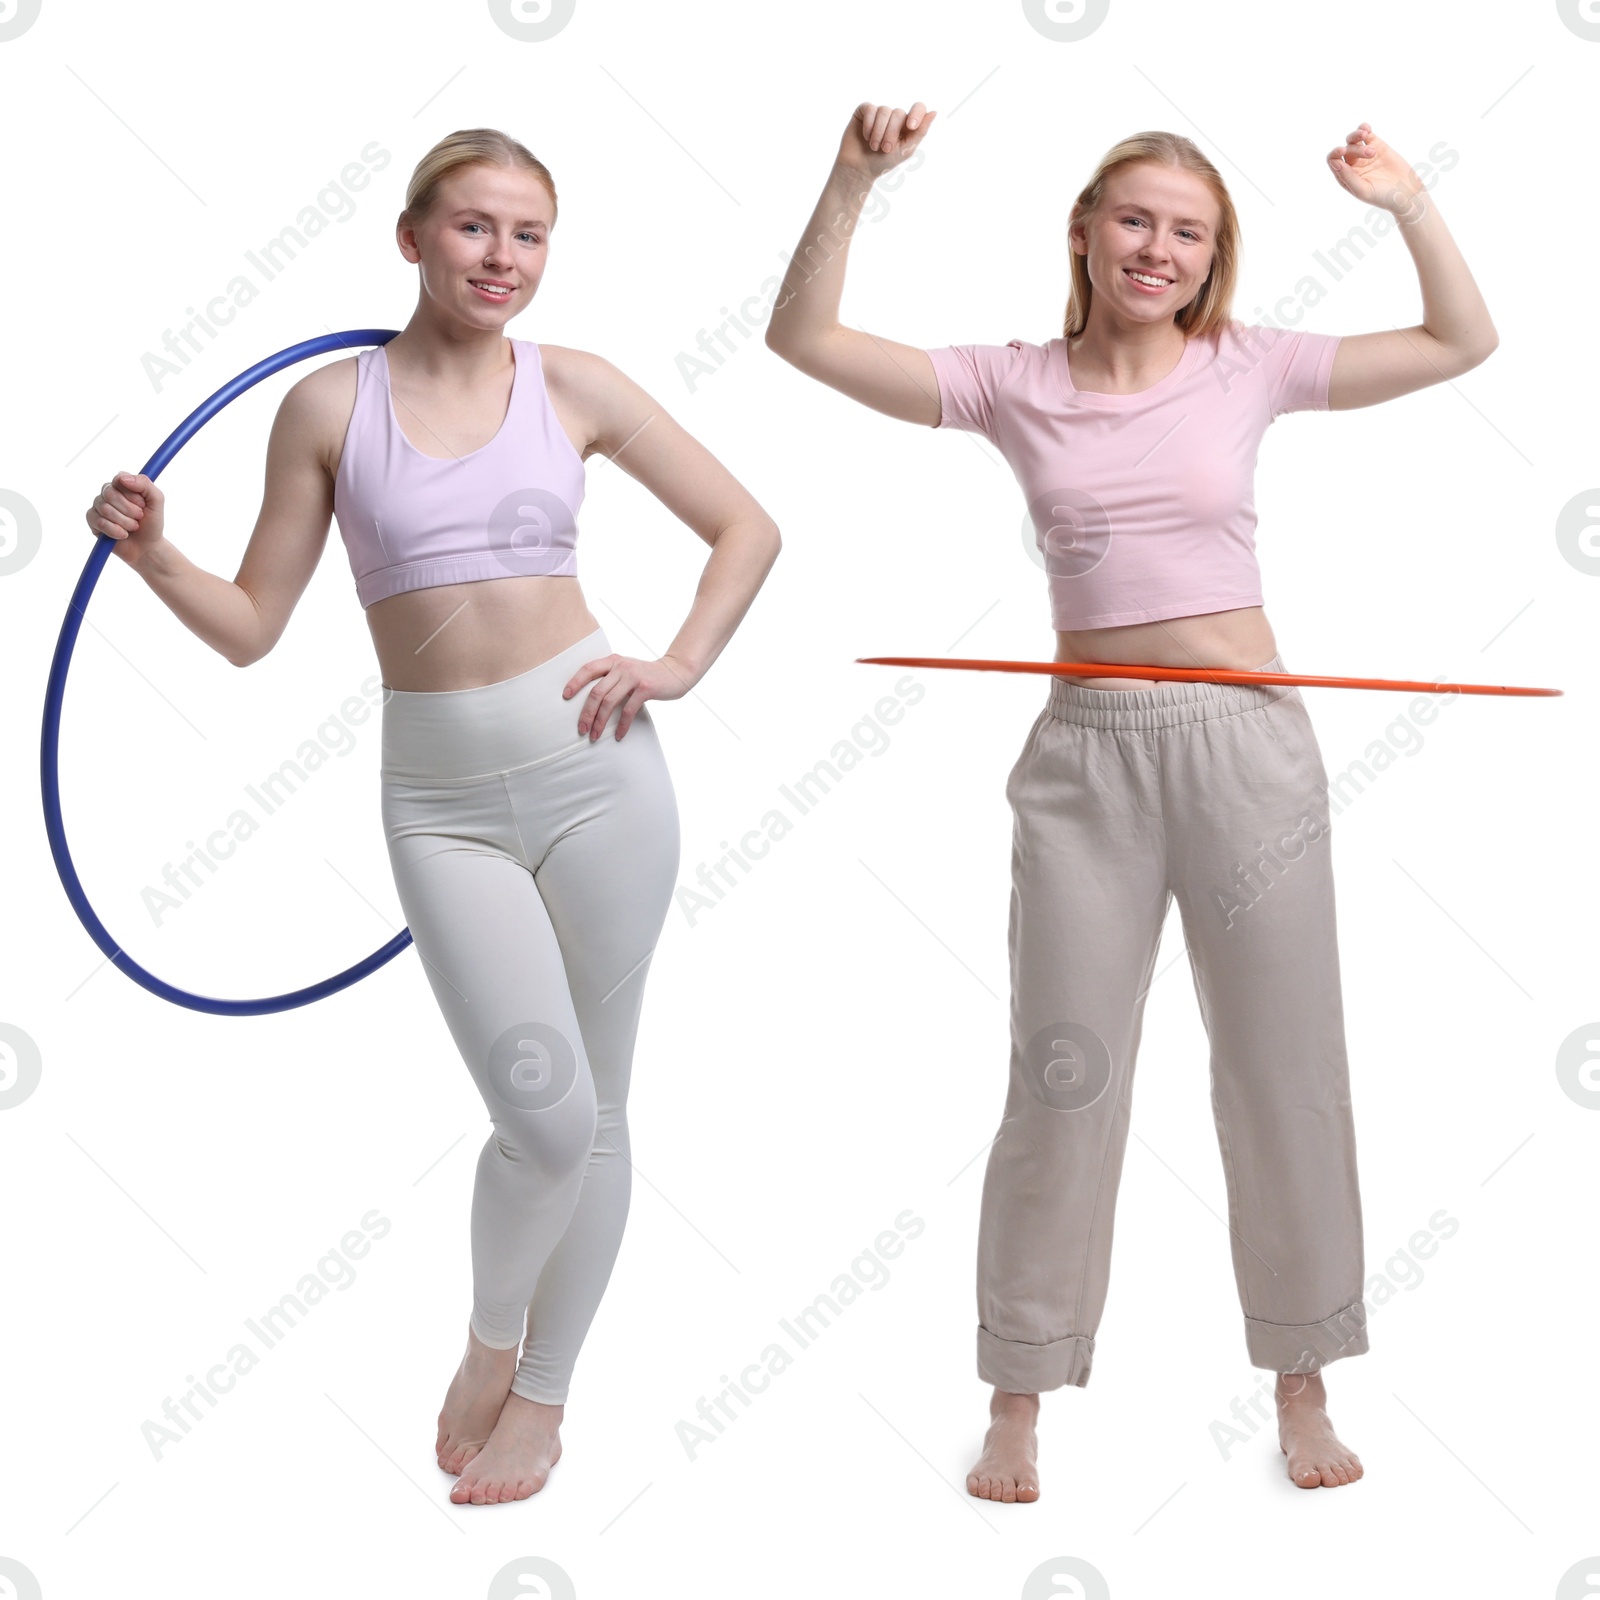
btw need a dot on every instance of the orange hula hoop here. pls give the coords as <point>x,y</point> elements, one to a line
<point>1102,669</point>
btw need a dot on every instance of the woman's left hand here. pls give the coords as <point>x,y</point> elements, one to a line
<point>623,684</point>
<point>1372,171</point>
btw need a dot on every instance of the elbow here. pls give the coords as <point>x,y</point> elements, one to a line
<point>771,545</point>
<point>765,558</point>
<point>788,345</point>
<point>248,655</point>
<point>1453,360</point>
<point>250,651</point>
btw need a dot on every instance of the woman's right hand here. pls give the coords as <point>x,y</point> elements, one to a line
<point>879,138</point>
<point>131,510</point>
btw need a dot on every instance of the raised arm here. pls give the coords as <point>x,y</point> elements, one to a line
<point>896,379</point>
<point>1455,333</point>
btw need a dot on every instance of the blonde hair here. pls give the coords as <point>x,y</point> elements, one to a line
<point>1212,307</point>
<point>467,147</point>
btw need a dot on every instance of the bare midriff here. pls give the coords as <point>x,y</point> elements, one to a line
<point>465,635</point>
<point>1239,640</point>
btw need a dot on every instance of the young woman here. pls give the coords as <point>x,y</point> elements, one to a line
<point>1134,439</point>
<point>534,860</point>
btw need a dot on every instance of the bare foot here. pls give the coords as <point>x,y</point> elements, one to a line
<point>524,1446</point>
<point>1306,1436</point>
<point>1008,1468</point>
<point>473,1401</point>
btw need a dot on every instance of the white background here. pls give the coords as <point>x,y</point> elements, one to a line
<point>826,1048</point>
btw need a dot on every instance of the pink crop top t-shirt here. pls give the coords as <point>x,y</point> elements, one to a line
<point>1143,504</point>
<point>411,521</point>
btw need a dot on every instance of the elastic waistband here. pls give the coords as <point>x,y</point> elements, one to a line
<point>1165,703</point>
<point>453,735</point>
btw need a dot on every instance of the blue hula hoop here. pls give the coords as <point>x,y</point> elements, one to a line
<point>49,747</point>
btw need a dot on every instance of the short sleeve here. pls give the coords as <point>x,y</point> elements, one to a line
<point>970,376</point>
<point>1297,364</point>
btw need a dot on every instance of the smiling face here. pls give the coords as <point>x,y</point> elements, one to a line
<point>1155,222</point>
<point>489,228</point>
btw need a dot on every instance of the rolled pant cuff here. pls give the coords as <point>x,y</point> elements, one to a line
<point>1305,1347</point>
<point>1031,1368</point>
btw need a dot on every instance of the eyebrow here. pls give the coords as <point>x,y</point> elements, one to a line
<point>475,211</point>
<point>1192,222</point>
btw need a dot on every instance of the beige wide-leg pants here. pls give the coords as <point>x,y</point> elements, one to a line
<point>1122,799</point>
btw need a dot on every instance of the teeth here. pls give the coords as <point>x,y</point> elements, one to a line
<point>1155,283</point>
<point>489,287</point>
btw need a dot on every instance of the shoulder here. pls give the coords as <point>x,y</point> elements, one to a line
<point>1290,368</point>
<point>1018,358</point>
<point>1259,340</point>
<point>600,402</point>
<point>1013,353</point>
<point>991,364</point>
<point>1246,349</point>
<point>980,384</point>
<point>580,375</point>
<point>318,406</point>
<point>586,382</point>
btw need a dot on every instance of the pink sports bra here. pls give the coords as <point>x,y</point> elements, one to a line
<point>411,521</point>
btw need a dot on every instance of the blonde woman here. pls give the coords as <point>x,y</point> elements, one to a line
<point>1134,437</point>
<point>531,822</point>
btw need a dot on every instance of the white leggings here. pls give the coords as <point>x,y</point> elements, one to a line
<point>535,868</point>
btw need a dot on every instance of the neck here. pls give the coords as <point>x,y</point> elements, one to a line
<point>451,352</point>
